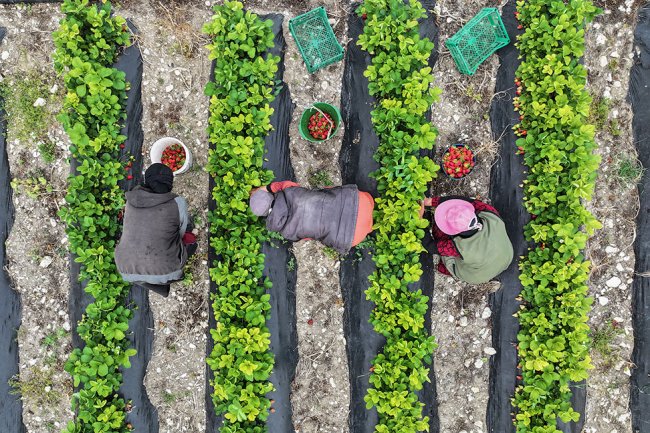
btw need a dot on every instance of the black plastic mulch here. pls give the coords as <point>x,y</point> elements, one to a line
<point>282,323</point>
<point>11,406</point>
<point>639,96</point>
<point>356,162</point>
<point>144,416</point>
<point>506,195</point>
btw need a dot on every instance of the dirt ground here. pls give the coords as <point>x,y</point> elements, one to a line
<point>176,68</point>
<point>608,58</point>
<point>37,246</point>
<point>175,71</point>
<point>460,315</point>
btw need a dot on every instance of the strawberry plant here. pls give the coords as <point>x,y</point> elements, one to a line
<point>400,79</point>
<point>240,94</point>
<point>174,157</point>
<point>87,44</point>
<point>458,161</point>
<point>321,125</point>
<point>557,144</point>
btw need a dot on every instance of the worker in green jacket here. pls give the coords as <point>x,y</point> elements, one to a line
<point>470,237</point>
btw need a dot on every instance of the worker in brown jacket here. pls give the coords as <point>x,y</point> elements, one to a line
<point>339,217</point>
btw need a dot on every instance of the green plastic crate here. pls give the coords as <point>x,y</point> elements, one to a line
<point>315,39</point>
<point>477,40</point>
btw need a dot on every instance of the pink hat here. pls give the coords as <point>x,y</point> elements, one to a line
<point>455,216</point>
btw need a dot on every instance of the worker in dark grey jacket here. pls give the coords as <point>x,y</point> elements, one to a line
<point>339,217</point>
<point>154,245</point>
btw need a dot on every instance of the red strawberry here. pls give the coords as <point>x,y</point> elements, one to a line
<point>310,322</point>
<point>519,27</point>
<point>122,146</point>
<point>129,177</point>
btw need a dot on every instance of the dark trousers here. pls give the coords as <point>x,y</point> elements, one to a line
<point>163,289</point>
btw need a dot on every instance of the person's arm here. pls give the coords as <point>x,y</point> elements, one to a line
<point>444,244</point>
<point>183,214</point>
<point>443,269</point>
<point>428,202</point>
<point>279,186</point>
<point>431,202</point>
<point>447,247</point>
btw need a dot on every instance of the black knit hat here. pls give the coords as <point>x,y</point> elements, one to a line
<point>159,178</point>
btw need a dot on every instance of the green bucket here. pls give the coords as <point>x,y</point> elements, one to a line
<point>325,108</point>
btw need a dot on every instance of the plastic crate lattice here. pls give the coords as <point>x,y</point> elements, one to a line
<point>477,40</point>
<point>315,38</point>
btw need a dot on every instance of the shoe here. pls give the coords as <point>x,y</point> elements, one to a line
<point>161,289</point>
<point>191,248</point>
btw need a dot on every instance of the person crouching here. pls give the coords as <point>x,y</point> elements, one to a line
<point>339,217</point>
<point>471,239</point>
<point>155,242</point>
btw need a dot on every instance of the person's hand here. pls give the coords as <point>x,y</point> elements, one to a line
<point>426,202</point>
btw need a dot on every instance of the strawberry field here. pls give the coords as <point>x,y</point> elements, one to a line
<point>265,335</point>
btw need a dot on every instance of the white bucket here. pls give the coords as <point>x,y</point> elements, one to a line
<point>159,146</point>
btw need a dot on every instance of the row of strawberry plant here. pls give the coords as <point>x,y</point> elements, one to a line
<point>240,94</point>
<point>557,142</point>
<point>87,45</point>
<point>401,82</point>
